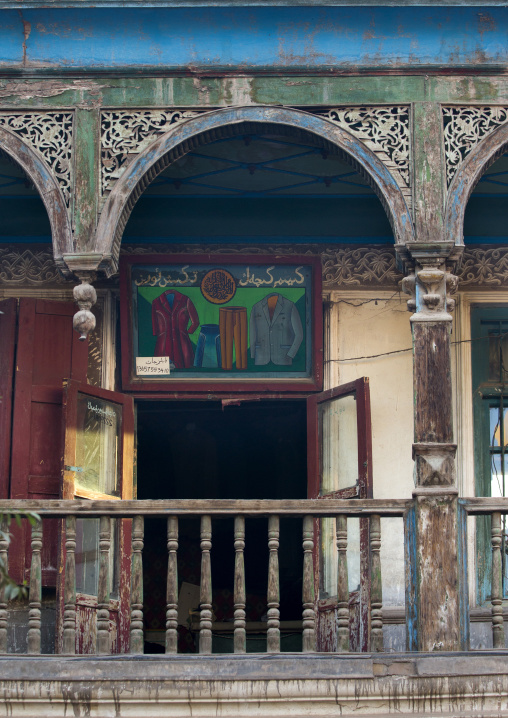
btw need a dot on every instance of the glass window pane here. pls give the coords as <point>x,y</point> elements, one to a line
<point>329,556</point>
<point>338,442</point>
<point>498,475</point>
<point>98,445</point>
<point>87,557</point>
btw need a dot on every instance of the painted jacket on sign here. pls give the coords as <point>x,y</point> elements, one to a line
<point>171,313</point>
<point>276,338</point>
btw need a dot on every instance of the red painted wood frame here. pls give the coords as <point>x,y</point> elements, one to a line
<point>86,606</point>
<point>359,626</point>
<point>363,487</point>
<point>131,382</point>
<point>48,350</point>
<point>7,344</point>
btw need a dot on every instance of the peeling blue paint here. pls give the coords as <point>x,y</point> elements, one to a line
<point>254,37</point>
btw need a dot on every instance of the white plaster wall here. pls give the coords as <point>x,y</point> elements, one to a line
<point>375,328</point>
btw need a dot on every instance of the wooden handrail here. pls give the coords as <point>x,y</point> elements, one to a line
<point>479,505</point>
<point>56,508</point>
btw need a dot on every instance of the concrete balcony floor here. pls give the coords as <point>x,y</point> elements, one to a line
<point>262,686</point>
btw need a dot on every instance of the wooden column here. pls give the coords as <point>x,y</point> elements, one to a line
<point>137,585</point>
<point>239,597</point>
<point>205,622</point>
<point>438,592</point>
<point>273,596</point>
<point>4,545</point>
<point>342,585</point>
<point>308,598</point>
<point>34,613</point>
<point>376,593</point>
<point>497,583</point>
<point>69,617</point>
<point>103,639</point>
<point>172,587</point>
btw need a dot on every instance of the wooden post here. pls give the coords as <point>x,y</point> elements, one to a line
<point>497,583</point>
<point>273,595</point>
<point>137,585</point>
<point>205,622</point>
<point>239,598</point>
<point>4,545</point>
<point>438,579</point>
<point>69,616</point>
<point>308,615</point>
<point>342,586</point>
<point>376,595</point>
<point>172,587</point>
<point>103,591</point>
<point>34,613</point>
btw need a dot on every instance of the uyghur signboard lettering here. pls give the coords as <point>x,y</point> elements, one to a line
<point>226,321</point>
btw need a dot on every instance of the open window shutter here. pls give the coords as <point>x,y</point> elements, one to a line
<point>98,463</point>
<point>49,350</point>
<point>339,453</point>
<point>7,345</point>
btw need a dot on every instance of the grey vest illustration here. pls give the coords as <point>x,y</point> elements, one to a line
<point>276,338</point>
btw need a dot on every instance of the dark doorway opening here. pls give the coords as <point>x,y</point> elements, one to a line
<point>202,450</point>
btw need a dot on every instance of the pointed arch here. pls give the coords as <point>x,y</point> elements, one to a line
<point>230,122</point>
<point>467,177</point>
<point>40,175</point>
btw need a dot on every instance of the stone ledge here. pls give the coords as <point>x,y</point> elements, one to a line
<point>292,685</point>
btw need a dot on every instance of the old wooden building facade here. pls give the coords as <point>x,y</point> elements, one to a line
<point>246,455</point>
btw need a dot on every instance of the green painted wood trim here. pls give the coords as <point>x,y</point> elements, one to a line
<point>429,180</point>
<point>481,436</point>
<point>86,176</point>
<point>116,89</point>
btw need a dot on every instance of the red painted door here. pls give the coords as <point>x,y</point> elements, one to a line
<point>339,450</point>
<point>98,464</point>
<point>7,346</point>
<point>48,350</point>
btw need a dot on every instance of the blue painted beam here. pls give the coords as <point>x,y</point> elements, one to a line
<point>257,38</point>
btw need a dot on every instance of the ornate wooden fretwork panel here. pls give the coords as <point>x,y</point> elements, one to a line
<point>343,266</point>
<point>464,127</point>
<point>27,267</point>
<point>50,133</point>
<point>126,133</point>
<point>386,131</point>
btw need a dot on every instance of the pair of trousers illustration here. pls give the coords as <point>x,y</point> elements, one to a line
<point>233,330</point>
<point>208,353</point>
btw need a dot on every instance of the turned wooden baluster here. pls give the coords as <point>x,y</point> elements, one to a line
<point>497,583</point>
<point>4,545</point>
<point>342,586</point>
<point>376,595</point>
<point>172,587</point>
<point>69,616</point>
<point>273,596</point>
<point>308,615</point>
<point>205,623</point>
<point>35,596</point>
<point>103,640</point>
<point>137,585</point>
<point>239,597</point>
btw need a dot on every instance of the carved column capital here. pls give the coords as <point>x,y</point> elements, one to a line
<point>434,464</point>
<point>430,284</point>
<point>85,297</point>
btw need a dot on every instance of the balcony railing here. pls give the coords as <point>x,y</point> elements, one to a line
<point>305,511</point>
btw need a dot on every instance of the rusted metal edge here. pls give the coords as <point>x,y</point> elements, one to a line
<point>218,507</point>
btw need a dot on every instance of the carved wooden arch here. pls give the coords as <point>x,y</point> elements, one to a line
<point>40,175</point>
<point>230,122</point>
<point>467,177</point>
